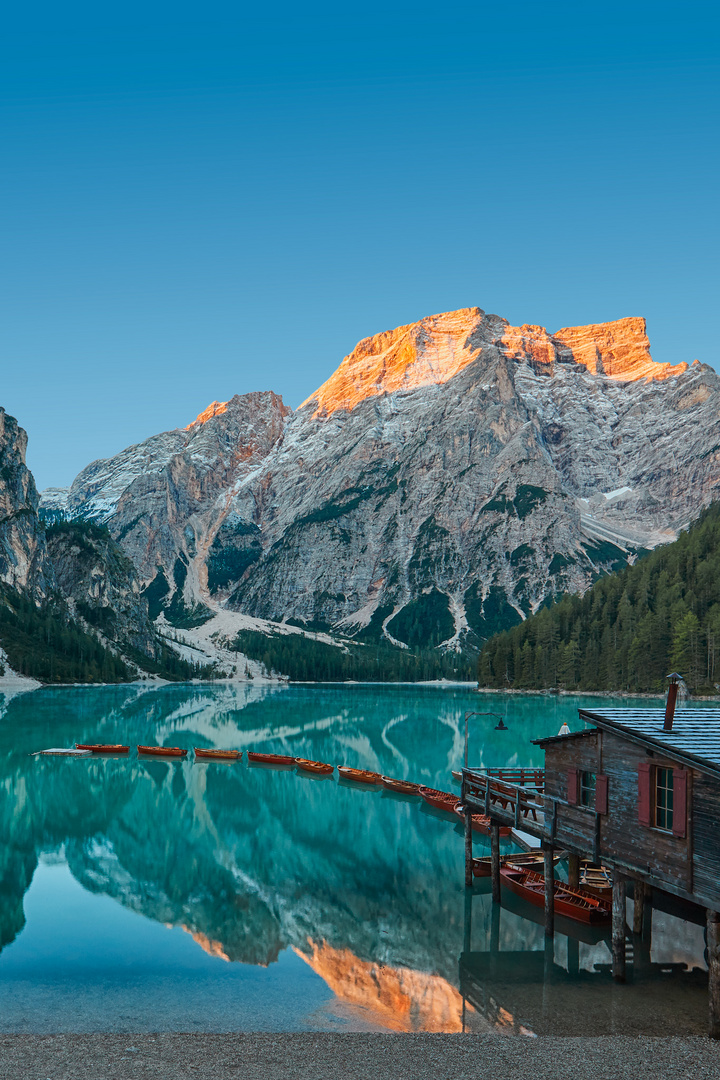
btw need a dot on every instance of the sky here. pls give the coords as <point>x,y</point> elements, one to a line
<point>204,200</point>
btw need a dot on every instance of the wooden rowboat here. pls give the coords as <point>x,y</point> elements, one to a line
<point>575,904</point>
<point>596,880</point>
<point>103,748</point>
<point>270,759</point>
<point>217,755</point>
<point>480,822</point>
<point>314,766</point>
<point>530,860</point>
<point>162,751</point>
<point>441,800</point>
<point>360,776</point>
<point>402,787</point>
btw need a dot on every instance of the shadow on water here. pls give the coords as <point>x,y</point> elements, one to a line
<point>235,897</point>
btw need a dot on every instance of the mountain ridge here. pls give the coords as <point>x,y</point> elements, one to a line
<point>457,470</point>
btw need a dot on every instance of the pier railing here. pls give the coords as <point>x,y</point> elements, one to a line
<point>513,796</point>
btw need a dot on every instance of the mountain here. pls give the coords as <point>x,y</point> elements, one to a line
<point>450,477</point>
<point>23,554</point>
<point>71,605</point>
<point>628,631</point>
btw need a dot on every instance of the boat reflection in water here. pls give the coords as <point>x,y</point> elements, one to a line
<point>292,904</point>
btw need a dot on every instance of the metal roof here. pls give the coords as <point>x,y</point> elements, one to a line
<point>695,735</point>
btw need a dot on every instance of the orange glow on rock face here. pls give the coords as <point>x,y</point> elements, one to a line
<point>400,999</point>
<point>214,409</point>
<point>212,948</point>
<point>437,348</point>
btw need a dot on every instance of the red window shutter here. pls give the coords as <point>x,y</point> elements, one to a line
<point>644,793</point>
<point>573,787</point>
<point>601,795</point>
<point>680,786</point>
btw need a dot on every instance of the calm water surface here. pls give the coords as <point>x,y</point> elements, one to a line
<point>144,895</point>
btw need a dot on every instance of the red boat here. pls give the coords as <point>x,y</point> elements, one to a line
<point>402,787</point>
<point>480,822</point>
<point>217,755</point>
<point>441,800</point>
<point>360,776</point>
<point>574,904</point>
<point>314,766</point>
<point>162,751</point>
<point>270,759</point>
<point>525,861</point>
<point>103,748</point>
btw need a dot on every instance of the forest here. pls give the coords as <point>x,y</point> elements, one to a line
<point>305,659</point>
<point>628,631</point>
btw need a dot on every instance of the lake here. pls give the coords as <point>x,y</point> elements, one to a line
<point>146,895</point>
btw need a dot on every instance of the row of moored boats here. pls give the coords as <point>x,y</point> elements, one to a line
<point>521,873</point>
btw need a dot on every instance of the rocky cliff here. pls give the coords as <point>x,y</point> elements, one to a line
<point>101,584</point>
<point>23,556</point>
<point>453,473</point>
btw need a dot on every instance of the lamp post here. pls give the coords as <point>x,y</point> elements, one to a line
<point>467,717</point>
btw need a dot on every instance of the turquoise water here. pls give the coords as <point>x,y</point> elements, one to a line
<point>146,895</point>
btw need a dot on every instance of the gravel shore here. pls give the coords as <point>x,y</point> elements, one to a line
<point>353,1057</point>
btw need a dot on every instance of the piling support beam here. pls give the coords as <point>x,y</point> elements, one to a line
<point>468,848</point>
<point>467,922</point>
<point>639,896</point>
<point>549,852</point>
<point>713,957</point>
<point>495,860</point>
<point>618,927</point>
<point>573,871</point>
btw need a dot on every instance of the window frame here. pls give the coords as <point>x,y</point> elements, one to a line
<point>666,807</point>
<point>587,792</point>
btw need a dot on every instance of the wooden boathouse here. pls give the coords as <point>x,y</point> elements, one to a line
<point>637,790</point>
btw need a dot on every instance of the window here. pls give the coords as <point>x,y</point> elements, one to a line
<point>587,789</point>
<point>664,799</point>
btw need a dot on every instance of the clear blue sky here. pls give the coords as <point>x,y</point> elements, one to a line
<point>201,200</point>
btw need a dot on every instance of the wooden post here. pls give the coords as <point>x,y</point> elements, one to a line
<point>573,871</point>
<point>713,956</point>
<point>495,929</point>
<point>647,920</point>
<point>495,860</point>
<point>638,906</point>
<point>468,848</point>
<point>618,927</point>
<point>549,891</point>
<point>467,922</point>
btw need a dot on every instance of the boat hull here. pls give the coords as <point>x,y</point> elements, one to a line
<point>320,768</point>
<point>269,759</point>
<point>217,755</point>
<point>359,776</point>
<point>480,822</point>
<point>162,751</point>
<point>527,861</point>
<point>440,800</point>
<point>103,748</point>
<point>401,787</point>
<point>572,904</point>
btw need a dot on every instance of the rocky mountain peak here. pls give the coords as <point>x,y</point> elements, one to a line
<point>618,349</point>
<point>23,554</point>
<point>437,348</point>
<point>215,408</point>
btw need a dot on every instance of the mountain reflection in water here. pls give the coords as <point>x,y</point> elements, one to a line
<point>257,865</point>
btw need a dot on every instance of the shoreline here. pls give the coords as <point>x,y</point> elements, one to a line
<point>327,1056</point>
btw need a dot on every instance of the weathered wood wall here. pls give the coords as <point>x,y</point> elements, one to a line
<point>689,865</point>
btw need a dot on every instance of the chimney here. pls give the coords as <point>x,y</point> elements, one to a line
<point>671,699</point>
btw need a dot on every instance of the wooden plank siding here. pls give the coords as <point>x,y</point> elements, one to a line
<point>705,835</point>
<point>687,865</point>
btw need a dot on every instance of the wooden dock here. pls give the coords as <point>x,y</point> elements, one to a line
<point>637,790</point>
